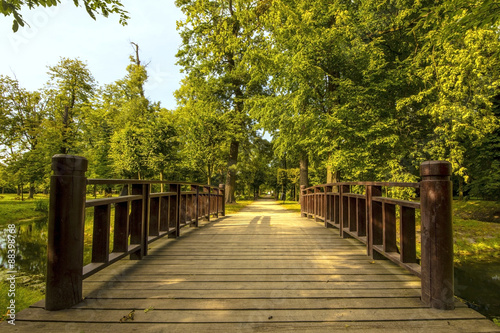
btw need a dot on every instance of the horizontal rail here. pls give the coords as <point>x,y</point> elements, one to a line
<point>109,201</point>
<point>94,181</point>
<point>386,184</point>
<point>402,203</point>
<point>374,219</point>
<point>139,218</point>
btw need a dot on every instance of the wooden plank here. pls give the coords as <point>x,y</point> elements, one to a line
<point>288,274</point>
<point>253,304</point>
<point>238,293</point>
<point>203,277</point>
<point>445,326</point>
<point>236,316</point>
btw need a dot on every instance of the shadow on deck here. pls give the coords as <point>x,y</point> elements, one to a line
<point>264,269</point>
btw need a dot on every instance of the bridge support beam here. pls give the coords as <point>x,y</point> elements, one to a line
<point>437,237</point>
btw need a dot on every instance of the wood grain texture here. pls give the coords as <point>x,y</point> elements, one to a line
<point>264,269</point>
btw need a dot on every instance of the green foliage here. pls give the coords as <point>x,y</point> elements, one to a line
<point>93,7</point>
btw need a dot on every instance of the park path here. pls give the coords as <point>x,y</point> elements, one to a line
<point>264,269</point>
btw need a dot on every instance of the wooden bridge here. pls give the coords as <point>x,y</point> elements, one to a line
<point>263,269</point>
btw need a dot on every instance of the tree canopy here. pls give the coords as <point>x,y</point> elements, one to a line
<point>351,90</point>
<point>93,8</point>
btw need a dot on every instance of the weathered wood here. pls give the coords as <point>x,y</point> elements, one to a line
<point>100,235</point>
<point>407,235</point>
<point>121,227</point>
<point>437,238</point>
<point>389,227</point>
<point>264,324</point>
<point>65,232</point>
<point>136,221</point>
<point>154,217</point>
<point>256,268</point>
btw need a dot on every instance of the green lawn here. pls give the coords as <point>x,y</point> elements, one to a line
<point>16,211</point>
<point>291,205</point>
<point>236,207</point>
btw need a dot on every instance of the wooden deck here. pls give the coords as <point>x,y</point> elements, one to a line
<point>262,270</point>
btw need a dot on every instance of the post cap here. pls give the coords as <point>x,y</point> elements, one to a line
<point>222,186</point>
<point>435,168</point>
<point>69,165</point>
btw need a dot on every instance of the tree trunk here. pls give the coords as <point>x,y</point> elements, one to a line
<point>231,172</point>
<point>304,169</point>
<point>18,189</point>
<point>162,186</point>
<point>460,188</point>
<point>32,191</point>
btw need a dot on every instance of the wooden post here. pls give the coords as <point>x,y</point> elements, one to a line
<point>66,232</point>
<point>222,188</point>
<point>175,210</point>
<point>139,215</point>
<point>209,204</point>
<point>437,236</point>
<point>344,210</point>
<point>303,201</point>
<point>374,215</point>
<point>196,202</point>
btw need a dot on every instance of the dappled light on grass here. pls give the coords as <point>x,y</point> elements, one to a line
<point>236,207</point>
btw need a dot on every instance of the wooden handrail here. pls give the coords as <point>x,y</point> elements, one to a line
<point>139,219</point>
<point>371,218</point>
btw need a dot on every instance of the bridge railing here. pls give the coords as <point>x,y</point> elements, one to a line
<point>140,217</point>
<point>374,219</point>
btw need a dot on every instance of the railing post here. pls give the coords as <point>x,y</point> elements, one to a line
<point>66,232</point>
<point>437,236</point>
<point>344,210</point>
<point>328,207</point>
<point>222,190</point>
<point>196,204</point>
<point>374,219</point>
<point>138,221</point>
<point>302,200</point>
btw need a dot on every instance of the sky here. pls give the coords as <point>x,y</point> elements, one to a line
<point>104,45</point>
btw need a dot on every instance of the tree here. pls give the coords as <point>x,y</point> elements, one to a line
<point>69,92</point>
<point>23,116</point>
<point>93,7</point>
<point>218,38</point>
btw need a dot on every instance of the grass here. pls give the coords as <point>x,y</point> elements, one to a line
<point>236,207</point>
<point>15,211</point>
<point>25,295</point>
<point>290,205</point>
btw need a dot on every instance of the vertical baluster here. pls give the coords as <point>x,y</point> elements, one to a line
<point>344,209</point>
<point>328,206</point>
<point>137,221</point>
<point>361,217</point>
<point>154,217</point>
<point>375,226</point>
<point>100,236</point>
<point>407,235</point>
<point>389,222</point>
<point>121,227</point>
<point>164,213</point>
<point>196,204</point>
<point>222,188</point>
<point>352,214</point>
<point>175,202</point>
